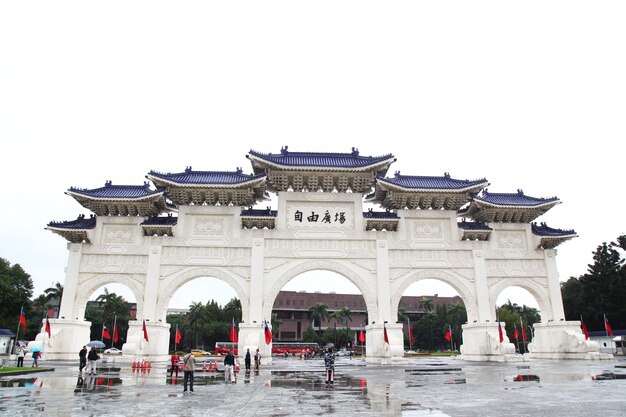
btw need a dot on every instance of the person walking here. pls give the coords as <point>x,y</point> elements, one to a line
<point>175,361</point>
<point>36,355</point>
<point>229,367</point>
<point>329,362</point>
<point>92,357</point>
<point>257,360</point>
<point>82,357</point>
<point>189,367</point>
<point>21,352</point>
<point>248,361</point>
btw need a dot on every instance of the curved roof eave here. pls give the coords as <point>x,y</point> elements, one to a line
<point>256,181</point>
<point>154,196</point>
<point>369,167</point>
<point>517,206</point>
<point>473,187</point>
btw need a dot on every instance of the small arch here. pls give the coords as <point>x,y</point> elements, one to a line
<point>306,266</point>
<point>192,273</point>
<point>537,290</point>
<point>90,285</point>
<point>456,282</point>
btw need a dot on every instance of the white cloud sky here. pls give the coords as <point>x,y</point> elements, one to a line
<point>529,95</point>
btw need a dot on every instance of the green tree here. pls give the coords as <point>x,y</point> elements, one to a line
<point>426,303</point>
<point>16,288</point>
<point>319,312</point>
<point>345,315</point>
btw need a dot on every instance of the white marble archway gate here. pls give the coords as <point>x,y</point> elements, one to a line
<point>209,241</point>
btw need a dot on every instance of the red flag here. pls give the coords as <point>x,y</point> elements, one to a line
<point>177,337</point>
<point>48,327</point>
<point>362,336</point>
<point>448,334</point>
<point>145,331</point>
<point>115,336</point>
<point>233,333</point>
<point>22,319</point>
<point>105,332</point>
<point>500,333</point>
<point>385,333</point>
<point>268,334</point>
<point>521,324</point>
<point>583,326</point>
<point>411,340</point>
<point>607,326</point>
<point>515,333</point>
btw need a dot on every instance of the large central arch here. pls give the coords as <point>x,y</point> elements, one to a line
<point>334,266</point>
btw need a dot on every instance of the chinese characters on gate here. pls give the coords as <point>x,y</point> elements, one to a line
<point>328,217</point>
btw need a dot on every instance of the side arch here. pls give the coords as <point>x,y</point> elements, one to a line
<point>87,287</point>
<point>536,289</point>
<point>332,266</point>
<point>456,282</point>
<point>165,295</point>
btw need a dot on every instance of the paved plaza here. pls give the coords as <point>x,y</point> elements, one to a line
<point>408,387</point>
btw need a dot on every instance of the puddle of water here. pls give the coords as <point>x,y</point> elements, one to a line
<point>19,382</point>
<point>526,378</point>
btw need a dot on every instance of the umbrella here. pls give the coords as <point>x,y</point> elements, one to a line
<point>35,348</point>
<point>96,343</point>
<point>20,343</point>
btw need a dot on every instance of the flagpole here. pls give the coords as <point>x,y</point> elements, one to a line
<point>175,337</point>
<point>517,338</point>
<point>114,326</point>
<point>605,329</point>
<point>102,333</point>
<point>18,330</point>
<point>450,328</point>
<point>410,332</point>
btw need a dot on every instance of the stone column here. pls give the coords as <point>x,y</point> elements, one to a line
<point>70,287</point>
<point>151,288</point>
<point>485,313</point>
<point>556,312</point>
<point>156,348</point>
<point>251,331</point>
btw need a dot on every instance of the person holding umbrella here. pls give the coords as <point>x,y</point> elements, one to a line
<point>36,356</point>
<point>92,357</point>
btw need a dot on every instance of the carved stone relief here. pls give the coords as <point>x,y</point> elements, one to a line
<point>511,240</point>
<point>515,267</point>
<point>118,234</point>
<point>427,229</point>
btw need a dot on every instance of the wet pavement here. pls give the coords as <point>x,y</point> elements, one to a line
<point>288,387</point>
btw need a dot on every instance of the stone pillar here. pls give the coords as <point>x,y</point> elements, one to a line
<point>156,348</point>
<point>67,337</point>
<point>556,312</point>
<point>252,336</point>
<point>251,331</point>
<point>376,349</point>
<point>481,342</point>
<point>485,313</point>
<point>70,287</point>
<point>394,331</point>
<point>563,340</point>
<point>151,288</point>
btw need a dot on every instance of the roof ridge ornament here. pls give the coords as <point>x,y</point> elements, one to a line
<point>520,191</point>
<point>108,183</point>
<point>397,174</point>
<point>355,151</point>
<point>188,169</point>
<point>446,175</point>
<point>283,150</point>
<point>239,170</point>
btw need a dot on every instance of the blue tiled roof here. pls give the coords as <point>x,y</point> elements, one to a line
<point>115,192</point>
<point>465,225</point>
<point>250,212</point>
<point>80,223</point>
<point>6,332</point>
<point>160,221</point>
<point>543,230</point>
<point>320,159</point>
<point>371,214</point>
<point>432,183</point>
<point>190,177</point>
<point>514,199</point>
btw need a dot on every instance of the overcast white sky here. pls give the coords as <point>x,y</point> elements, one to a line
<point>530,95</point>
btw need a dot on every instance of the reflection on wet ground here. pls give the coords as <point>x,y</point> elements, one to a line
<point>414,387</point>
